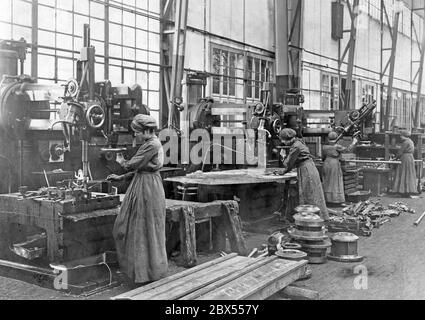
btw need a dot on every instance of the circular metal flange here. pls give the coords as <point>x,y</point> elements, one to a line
<point>307,209</point>
<point>306,235</point>
<point>292,246</point>
<point>289,254</point>
<point>308,220</point>
<point>324,245</point>
<point>347,259</point>
<point>344,237</point>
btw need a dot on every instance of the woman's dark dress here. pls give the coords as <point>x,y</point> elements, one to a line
<point>309,184</point>
<point>405,181</point>
<point>333,182</point>
<point>139,230</point>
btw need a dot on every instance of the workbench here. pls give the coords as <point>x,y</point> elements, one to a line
<point>259,192</point>
<point>79,235</point>
<point>380,179</point>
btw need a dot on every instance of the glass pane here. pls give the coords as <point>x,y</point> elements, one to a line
<point>154,6</point>
<point>65,4</point>
<point>141,22</point>
<point>115,75</point>
<point>129,76</point>
<point>128,36</point>
<point>21,12</point>
<point>141,39</point>
<point>154,25</point>
<point>79,22</point>
<point>5,31</point>
<point>65,69</point>
<point>153,81</point>
<point>142,4</point>
<point>46,38</point>
<point>142,79</point>
<point>45,16</point>
<point>115,51</point>
<point>129,54</point>
<point>46,66</point>
<point>153,100</point>
<point>63,41</point>
<point>97,10</point>
<point>22,32</point>
<point>97,29</point>
<point>6,11</point>
<point>64,22</point>
<point>141,55</point>
<point>99,47</point>
<point>154,42</point>
<point>81,6</point>
<point>115,33</point>
<point>129,19</point>
<point>115,15</point>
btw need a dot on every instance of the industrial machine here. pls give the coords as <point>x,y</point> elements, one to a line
<point>58,143</point>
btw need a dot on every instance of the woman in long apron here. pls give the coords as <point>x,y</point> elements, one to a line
<point>309,184</point>
<point>405,182</point>
<point>333,182</point>
<point>139,230</point>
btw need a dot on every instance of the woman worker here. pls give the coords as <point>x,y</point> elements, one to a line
<point>333,182</point>
<point>309,184</point>
<point>405,180</point>
<point>139,230</point>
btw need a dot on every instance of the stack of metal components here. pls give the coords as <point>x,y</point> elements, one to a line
<point>310,232</point>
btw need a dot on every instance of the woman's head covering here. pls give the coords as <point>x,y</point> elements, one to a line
<point>143,122</point>
<point>287,134</point>
<point>405,133</point>
<point>332,136</point>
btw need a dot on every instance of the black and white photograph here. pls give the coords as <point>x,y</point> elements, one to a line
<point>239,152</point>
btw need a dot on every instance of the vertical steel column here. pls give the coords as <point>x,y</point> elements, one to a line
<point>392,68</point>
<point>179,45</point>
<point>34,36</point>
<point>420,80</point>
<point>106,43</point>
<point>282,48</point>
<point>354,12</point>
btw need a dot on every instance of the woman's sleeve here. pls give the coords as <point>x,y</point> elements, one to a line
<point>290,160</point>
<point>142,157</point>
<point>340,148</point>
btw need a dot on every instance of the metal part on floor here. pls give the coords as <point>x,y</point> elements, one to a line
<point>344,248</point>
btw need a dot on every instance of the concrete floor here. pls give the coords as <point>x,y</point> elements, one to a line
<point>394,262</point>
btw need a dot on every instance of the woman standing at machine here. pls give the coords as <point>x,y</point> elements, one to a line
<point>333,182</point>
<point>405,179</point>
<point>309,184</point>
<point>139,230</point>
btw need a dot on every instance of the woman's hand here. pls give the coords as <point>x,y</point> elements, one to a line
<point>114,177</point>
<point>120,159</point>
<point>279,172</point>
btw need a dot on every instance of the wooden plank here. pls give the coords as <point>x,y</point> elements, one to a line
<point>257,263</point>
<point>261,283</point>
<point>234,228</point>
<point>187,236</point>
<point>174,277</point>
<point>298,293</point>
<point>182,287</point>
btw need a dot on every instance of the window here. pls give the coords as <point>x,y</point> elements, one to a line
<point>329,92</point>
<point>227,72</point>
<point>231,81</point>
<point>134,45</point>
<point>259,71</point>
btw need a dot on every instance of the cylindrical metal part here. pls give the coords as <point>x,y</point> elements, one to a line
<point>344,247</point>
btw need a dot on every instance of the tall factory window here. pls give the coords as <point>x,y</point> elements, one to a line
<point>133,39</point>
<point>329,92</point>
<point>369,92</point>
<point>256,74</point>
<point>227,69</point>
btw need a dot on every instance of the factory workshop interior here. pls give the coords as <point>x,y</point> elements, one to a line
<point>212,150</point>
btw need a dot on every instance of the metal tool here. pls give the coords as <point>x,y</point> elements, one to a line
<point>417,222</point>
